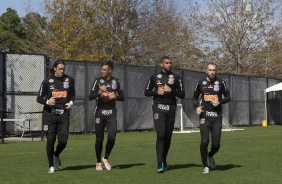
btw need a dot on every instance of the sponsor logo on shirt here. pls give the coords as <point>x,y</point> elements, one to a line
<point>210,97</point>
<point>59,94</point>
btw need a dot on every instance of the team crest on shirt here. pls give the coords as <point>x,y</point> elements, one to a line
<point>51,80</point>
<point>159,76</point>
<point>171,79</point>
<point>216,82</point>
<point>114,84</point>
<point>156,116</point>
<point>102,81</point>
<point>216,87</point>
<point>67,79</point>
<point>97,120</point>
<point>204,82</point>
<point>66,84</point>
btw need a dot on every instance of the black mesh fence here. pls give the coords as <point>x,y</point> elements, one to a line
<point>23,74</point>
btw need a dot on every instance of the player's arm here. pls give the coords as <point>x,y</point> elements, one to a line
<point>179,92</point>
<point>197,92</point>
<point>196,95</point>
<point>225,93</point>
<point>72,91</point>
<point>120,96</point>
<point>41,97</point>
<point>149,88</point>
<point>94,90</point>
<point>72,94</point>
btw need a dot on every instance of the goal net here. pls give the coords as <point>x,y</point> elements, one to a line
<point>183,124</point>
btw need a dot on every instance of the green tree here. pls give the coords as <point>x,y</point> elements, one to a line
<point>12,32</point>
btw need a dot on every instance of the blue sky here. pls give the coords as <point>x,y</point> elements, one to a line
<point>18,5</point>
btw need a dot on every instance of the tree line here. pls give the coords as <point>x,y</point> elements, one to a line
<point>241,36</point>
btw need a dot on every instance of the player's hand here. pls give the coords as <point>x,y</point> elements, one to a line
<point>199,110</point>
<point>68,106</point>
<point>167,89</point>
<point>112,96</point>
<point>51,101</point>
<point>102,89</point>
<point>105,96</point>
<point>161,90</point>
<point>215,103</point>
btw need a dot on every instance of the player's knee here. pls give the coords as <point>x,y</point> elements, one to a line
<point>111,138</point>
<point>99,140</point>
<point>205,142</point>
<point>51,136</point>
<point>216,146</point>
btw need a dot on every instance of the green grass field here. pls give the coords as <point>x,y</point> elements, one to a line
<point>250,156</point>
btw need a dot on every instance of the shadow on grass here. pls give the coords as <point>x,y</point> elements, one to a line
<point>125,166</point>
<point>226,167</point>
<point>182,166</point>
<point>79,167</point>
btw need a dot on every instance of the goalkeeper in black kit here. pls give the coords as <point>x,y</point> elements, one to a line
<point>209,110</point>
<point>57,94</point>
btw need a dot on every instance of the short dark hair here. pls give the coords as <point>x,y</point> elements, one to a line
<point>56,63</point>
<point>109,63</point>
<point>211,64</point>
<point>163,58</point>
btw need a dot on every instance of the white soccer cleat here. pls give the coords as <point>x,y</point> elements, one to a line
<point>206,170</point>
<point>99,167</point>
<point>58,163</point>
<point>107,164</point>
<point>212,162</point>
<point>51,170</point>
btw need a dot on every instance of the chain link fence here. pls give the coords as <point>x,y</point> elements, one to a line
<point>23,74</point>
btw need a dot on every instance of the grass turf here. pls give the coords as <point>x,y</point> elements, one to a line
<point>249,156</point>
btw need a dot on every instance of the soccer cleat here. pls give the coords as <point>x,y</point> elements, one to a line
<point>99,167</point>
<point>107,164</point>
<point>51,170</point>
<point>206,170</point>
<point>160,170</point>
<point>212,162</point>
<point>58,162</point>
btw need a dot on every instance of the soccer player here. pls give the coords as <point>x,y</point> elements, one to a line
<point>164,86</point>
<point>209,110</point>
<point>57,93</point>
<point>106,90</point>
